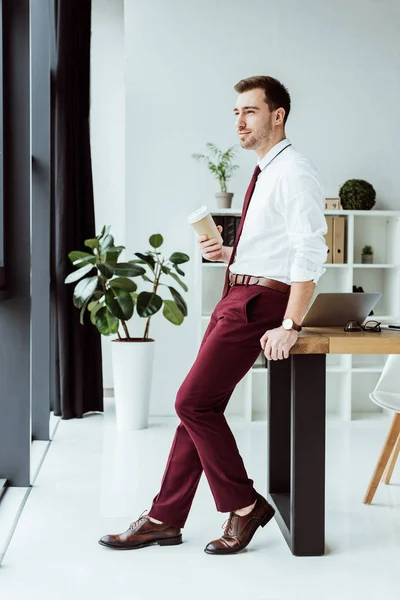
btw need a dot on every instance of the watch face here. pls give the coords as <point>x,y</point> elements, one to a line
<point>287,323</point>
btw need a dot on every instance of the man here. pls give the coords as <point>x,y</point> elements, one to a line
<point>272,271</point>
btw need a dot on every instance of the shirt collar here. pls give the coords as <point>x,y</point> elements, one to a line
<point>265,160</point>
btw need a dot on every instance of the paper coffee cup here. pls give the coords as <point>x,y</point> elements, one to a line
<point>204,224</point>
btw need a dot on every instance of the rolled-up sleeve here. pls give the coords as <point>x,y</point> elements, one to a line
<point>306,226</point>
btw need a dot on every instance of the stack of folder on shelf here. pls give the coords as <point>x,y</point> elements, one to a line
<point>335,240</point>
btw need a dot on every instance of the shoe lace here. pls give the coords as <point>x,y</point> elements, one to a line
<point>228,525</point>
<point>142,519</point>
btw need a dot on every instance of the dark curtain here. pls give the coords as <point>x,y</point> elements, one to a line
<point>76,350</point>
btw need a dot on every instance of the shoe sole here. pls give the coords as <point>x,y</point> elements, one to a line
<point>266,519</point>
<point>175,541</point>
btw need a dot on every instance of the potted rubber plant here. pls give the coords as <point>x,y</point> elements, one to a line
<point>222,168</point>
<point>105,288</point>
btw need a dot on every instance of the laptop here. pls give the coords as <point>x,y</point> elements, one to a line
<point>335,310</point>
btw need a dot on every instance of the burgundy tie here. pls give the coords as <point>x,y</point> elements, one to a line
<point>246,203</point>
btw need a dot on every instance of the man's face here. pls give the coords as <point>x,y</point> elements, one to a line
<point>253,119</point>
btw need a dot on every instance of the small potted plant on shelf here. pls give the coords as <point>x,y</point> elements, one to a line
<point>357,194</point>
<point>106,289</point>
<point>222,169</point>
<point>367,255</point>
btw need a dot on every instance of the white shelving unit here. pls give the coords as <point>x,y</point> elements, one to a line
<point>350,378</point>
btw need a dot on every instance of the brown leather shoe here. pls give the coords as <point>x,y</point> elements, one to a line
<point>142,533</point>
<point>240,530</point>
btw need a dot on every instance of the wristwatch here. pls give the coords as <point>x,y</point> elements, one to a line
<point>288,324</point>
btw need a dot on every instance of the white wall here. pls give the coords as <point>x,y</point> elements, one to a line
<point>107,126</point>
<point>339,60</point>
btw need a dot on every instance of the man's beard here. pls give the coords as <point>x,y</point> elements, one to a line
<point>253,141</point>
<point>250,141</point>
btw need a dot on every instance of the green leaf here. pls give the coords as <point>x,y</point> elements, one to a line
<point>123,283</point>
<point>200,157</point>
<point>183,285</point>
<point>147,279</point>
<point>147,259</point>
<point>165,269</point>
<point>94,308</point>
<point>172,312</point>
<point>106,243</point>
<point>178,258</point>
<point>128,270</point>
<point>82,312</point>
<point>179,270</point>
<point>106,269</point>
<point>84,290</point>
<point>214,150</point>
<point>156,240</point>
<point>181,304</point>
<point>120,303</point>
<point>79,258</point>
<point>98,294</point>
<point>76,275</point>
<point>92,243</point>
<point>148,304</point>
<point>106,322</point>
<point>112,255</point>
<point>84,261</point>
<point>93,305</point>
<point>104,232</point>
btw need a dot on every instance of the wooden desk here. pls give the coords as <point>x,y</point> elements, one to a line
<point>296,423</point>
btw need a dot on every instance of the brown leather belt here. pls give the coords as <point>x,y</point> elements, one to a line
<point>238,279</point>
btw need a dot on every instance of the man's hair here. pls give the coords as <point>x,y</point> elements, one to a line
<point>276,95</point>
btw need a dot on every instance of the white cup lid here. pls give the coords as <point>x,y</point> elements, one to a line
<point>198,214</point>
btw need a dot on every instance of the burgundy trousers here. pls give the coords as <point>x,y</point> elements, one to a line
<point>203,440</point>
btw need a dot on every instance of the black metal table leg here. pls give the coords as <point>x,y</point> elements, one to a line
<point>297,450</point>
<point>279,388</point>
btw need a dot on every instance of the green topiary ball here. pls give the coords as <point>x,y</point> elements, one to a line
<point>357,194</point>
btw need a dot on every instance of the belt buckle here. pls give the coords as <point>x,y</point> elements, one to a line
<point>249,277</point>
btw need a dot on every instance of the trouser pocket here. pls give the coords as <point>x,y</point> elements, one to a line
<point>249,305</point>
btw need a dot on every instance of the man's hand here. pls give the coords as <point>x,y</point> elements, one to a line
<point>210,248</point>
<point>276,343</point>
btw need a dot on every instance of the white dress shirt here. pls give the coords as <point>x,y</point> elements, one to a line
<point>284,228</point>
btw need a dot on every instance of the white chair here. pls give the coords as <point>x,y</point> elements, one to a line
<point>387,395</point>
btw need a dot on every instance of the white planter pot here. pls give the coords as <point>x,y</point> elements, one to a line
<point>132,371</point>
<point>367,259</point>
<point>224,200</point>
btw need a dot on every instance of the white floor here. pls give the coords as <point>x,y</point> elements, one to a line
<point>94,481</point>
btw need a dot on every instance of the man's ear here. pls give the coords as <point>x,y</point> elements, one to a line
<point>279,116</point>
